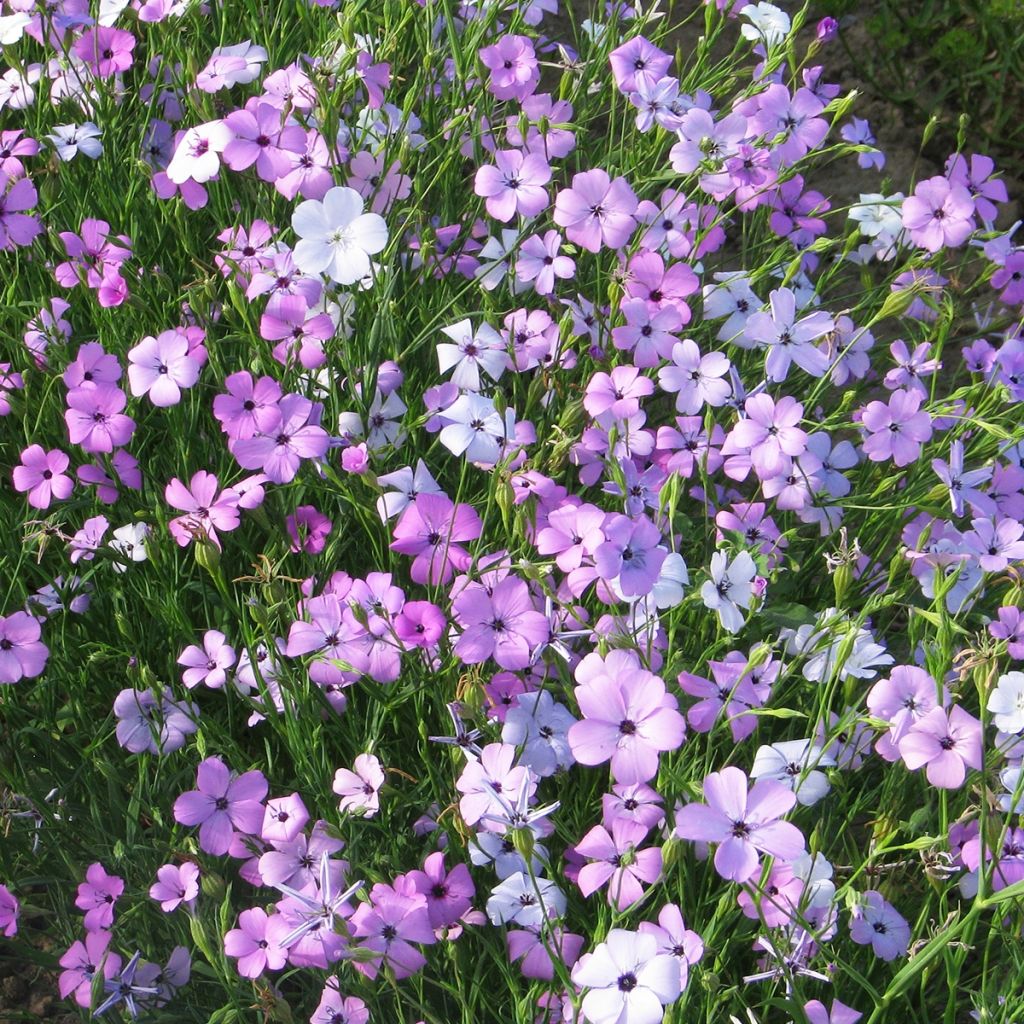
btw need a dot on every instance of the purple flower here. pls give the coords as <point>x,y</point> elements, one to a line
<point>995,543</point>
<point>938,214</point>
<point>389,925</point>
<point>334,1008</point>
<point>628,718</point>
<point>17,228</point>
<point>769,432</point>
<point>789,340</point>
<point>596,210</point>
<point>695,380</point>
<point>432,529</point>
<point>153,721</point>
<point>359,790</point>
<point>539,261</point>
<point>1010,627</point>
<point>222,804</point>
<point>947,743</point>
<point>97,896</point>
<point>308,529</point>
<point>637,59</point>
<point>632,553</point>
<point>449,894</point>
<point>284,818</point>
<point>207,511</point>
<point>877,923</point>
<point>285,436</point>
<point>898,429</point>
<point>252,946</point>
<point>675,939</point>
<point>963,486</point>
<point>175,885</point>
<point>742,823</point>
<point>501,623</point>
<point>22,654</point>
<point>514,68</point>
<point>208,664</point>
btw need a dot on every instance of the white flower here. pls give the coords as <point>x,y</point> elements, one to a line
<point>494,267</point>
<point>336,237</point>
<point>1012,783</point>
<point>109,10</point>
<point>519,901</point>
<point>70,139</point>
<point>732,297</point>
<point>629,980</point>
<point>485,348</point>
<point>730,588</point>
<point>1006,702</point>
<point>12,27</point>
<point>198,154</point>
<point>769,24</point>
<point>540,725</point>
<point>793,763</point>
<point>409,483</point>
<point>130,542</point>
<point>384,419</point>
<point>476,429</point>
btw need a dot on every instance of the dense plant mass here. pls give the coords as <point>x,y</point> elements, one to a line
<point>492,530</point>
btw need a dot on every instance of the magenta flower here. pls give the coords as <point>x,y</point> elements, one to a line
<point>81,962</point>
<point>420,624</point>
<point>207,511</point>
<point>175,885</point>
<point>617,863</point>
<point>433,530</point>
<point>259,139</point>
<point>514,184</point>
<point>940,213</point>
<point>95,419</point>
<point>285,437</point>
<point>632,553</point>
<point>105,50</point>
<point>898,429</point>
<point>21,652</point>
<point>221,804</point>
<point>246,405</point>
<point>742,823</point>
<point>97,896</point>
<point>208,664</point>
<point>501,624</point>
<point>360,789</point>
<point>160,367</point>
<point>878,924</point>
<point>332,633</point>
<point>449,894</point>
<point>1009,627</point>
<point>596,210</point>
<point>337,1009</point>
<point>628,718</point>
<point>948,743</point>
<point>252,946</point>
<point>41,473</point>
<point>10,909</point>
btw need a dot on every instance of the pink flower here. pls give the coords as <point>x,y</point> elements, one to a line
<point>206,510</point>
<point>947,743</point>
<point>285,437</point>
<point>628,718</point>
<point>355,458</point>
<point>252,946</point>
<point>742,823</point>
<point>208,664</point>
<point>389,925</point>
<point>21,652</point>
<point>337,1009</point>
<point>81,962</point>
<point>97,896</point>
<point>221,804</point>
<point>515,185</point>
<point>95,420</point>
<point>246,405</point>
<point>877,923</point>
<point>695,379</point>
<point>938,214</point>
<point>17,228</point>
<point>175,885</point>
<point>617,863</point>
<point>41,473</point>
<point>160,367</point>
<point>596,211</point>
<point>770,432</point>
<point>9,911</point>
<point>513,65</point>
<point>449,894</point>
<point>360,789</point>
<point>898,429</point>
<point>539,261</point>
<point>284,818</point>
